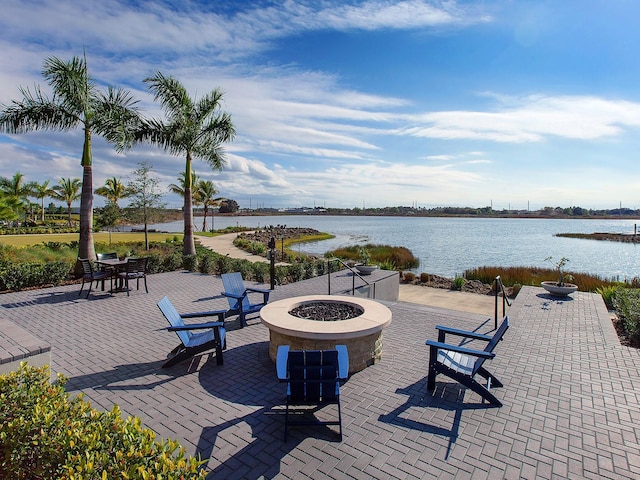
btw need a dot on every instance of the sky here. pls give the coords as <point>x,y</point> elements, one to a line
<point>515,104</point>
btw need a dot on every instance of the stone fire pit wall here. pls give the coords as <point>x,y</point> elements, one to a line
<point>362,335</point>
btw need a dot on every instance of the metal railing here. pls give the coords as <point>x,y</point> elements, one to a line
<point>498,287</point>
<point>353,281</point>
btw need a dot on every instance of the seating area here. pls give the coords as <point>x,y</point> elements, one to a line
<point>570,403</point>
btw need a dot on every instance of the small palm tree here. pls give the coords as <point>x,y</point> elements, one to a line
<point>9,208</point>
<point>113,190</point>
<point>76,102</point>
<point>42,191</point>
<point>204,195</point>
<point>179,188</point>
<point>17,189</point>
<point>195,129</point>
<point>68,191</point>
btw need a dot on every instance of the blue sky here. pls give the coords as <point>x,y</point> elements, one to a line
<point>351,103</point>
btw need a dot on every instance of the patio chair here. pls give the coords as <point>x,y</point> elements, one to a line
<point>238,296</point>
<point>463,364</point>
<point>213,336</point>
<point>89,275</point>
<point>313,377</point>
<point>135,269</point>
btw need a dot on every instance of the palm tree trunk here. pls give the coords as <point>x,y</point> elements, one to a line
<point>188,247</point>
<point>204,219</point>
<point>85,242</point>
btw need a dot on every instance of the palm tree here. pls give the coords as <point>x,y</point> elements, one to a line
<point>204,195</point>
<point>113,190</point>
<point>196,129</point>
<point>76,102</point>
<point>17,189</point>
<point>9,207</point>
<point>68,191</point>
<point>42,191</point>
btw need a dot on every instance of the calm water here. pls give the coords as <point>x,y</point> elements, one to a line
<point>448,246</point>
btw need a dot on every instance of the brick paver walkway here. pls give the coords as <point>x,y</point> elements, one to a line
<point>570,410</point>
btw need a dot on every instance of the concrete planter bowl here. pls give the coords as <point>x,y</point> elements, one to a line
<point>559,290</point>
<point>366,269</point>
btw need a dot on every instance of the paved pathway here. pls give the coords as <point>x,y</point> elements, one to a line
<point>571,401</point>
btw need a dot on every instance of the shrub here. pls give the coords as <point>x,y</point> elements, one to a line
<point>626,302</point>
<point>409,277</point>
<point>45,433</point>
<point>190,262</point>
<point>515,289</point>
<point>155,263</point>
<point>172,262</point>
<point>607,292</point>
<point>206,264</point>
<point>223,264</point>
<point>458,283</point>
<point>424,277</point>
<point>260,271</point>
<point>16,276</point>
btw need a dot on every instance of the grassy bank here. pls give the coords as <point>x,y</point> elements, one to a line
<point>98,237</point>
<point>533,276</point>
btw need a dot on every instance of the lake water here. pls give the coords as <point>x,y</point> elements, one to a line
<point>448,246</point>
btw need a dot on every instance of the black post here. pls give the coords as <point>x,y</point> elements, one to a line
<point>272,258</point>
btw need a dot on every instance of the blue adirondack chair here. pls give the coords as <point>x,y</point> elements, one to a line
<point>213,336</point>
<point>238,296</point>
<point>463,364</point>
<point>313,378</point>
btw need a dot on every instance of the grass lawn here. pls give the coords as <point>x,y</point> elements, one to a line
<point>98,237</point>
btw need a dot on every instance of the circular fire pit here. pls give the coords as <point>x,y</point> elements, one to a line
<point>362,334</point>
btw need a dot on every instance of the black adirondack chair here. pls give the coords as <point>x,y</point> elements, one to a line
<point>313,378</point>
<point>238,296</point>
<point>213,336</point>
<point>463,364</point>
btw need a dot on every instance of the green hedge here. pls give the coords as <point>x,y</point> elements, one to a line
<point>16,276</point>
<point>47,434</point>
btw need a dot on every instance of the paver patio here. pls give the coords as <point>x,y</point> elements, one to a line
<point>571,404</point>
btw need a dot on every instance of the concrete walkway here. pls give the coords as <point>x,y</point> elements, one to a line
<point>223,244</point>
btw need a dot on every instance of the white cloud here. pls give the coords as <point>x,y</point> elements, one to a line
<point>534,119</point>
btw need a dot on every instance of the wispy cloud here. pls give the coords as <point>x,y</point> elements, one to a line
<point>534,119</point>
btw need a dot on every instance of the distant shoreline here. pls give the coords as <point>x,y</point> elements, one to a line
<point>610,237</point>
<point>423,215</point>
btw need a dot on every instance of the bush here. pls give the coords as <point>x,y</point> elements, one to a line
<point>626,302</point>
<point>45,433</point>
<point>206,264</point>
<point>16,276</point>
<point>458,283</point>
<point>172,262</point>
<point>409,277</point>
<point>607,292</point>
<point>190,262</point>
<point>260,271</point>
<point>424,277</point>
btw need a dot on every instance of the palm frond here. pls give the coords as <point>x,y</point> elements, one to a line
<point>171,94</point>
<point>117,117</point>
<point>71,83</point>
<point>36,112</point>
